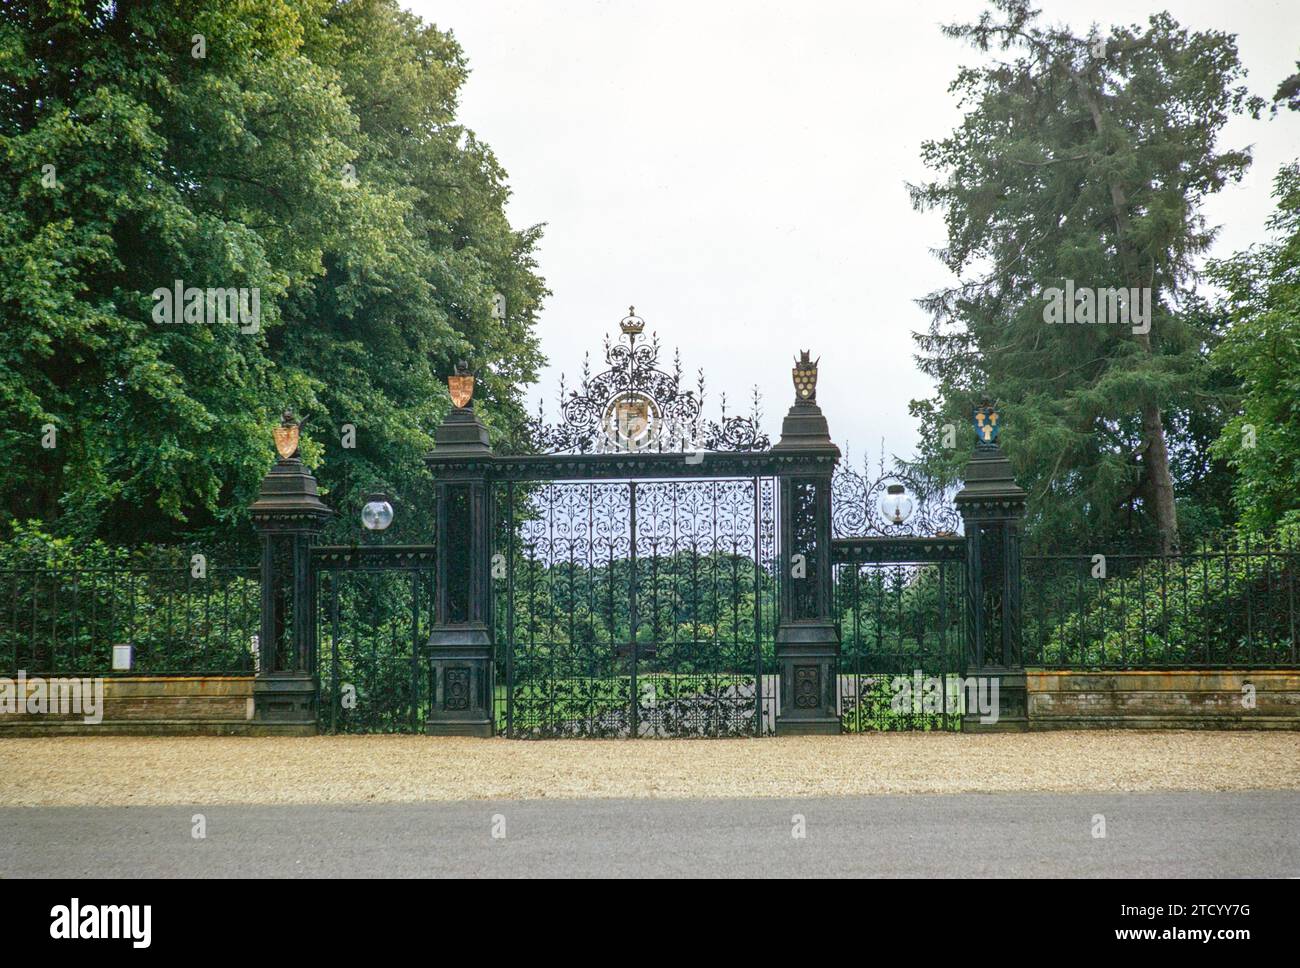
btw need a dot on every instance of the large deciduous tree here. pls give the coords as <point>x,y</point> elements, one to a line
<point>305,148</point>
<point>404,298</point>
<point>1081,164</point>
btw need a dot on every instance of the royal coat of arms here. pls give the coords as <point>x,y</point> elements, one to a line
<point>632,423</point>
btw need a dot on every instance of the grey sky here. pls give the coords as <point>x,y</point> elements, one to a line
<point>737,171</point>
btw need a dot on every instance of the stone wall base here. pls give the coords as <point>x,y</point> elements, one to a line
<point>1181,699</point>
<point>159,706</point>
<point>1175,699</point>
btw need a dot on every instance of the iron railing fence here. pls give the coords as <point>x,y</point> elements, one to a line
<point>1230,604</point>
<point>901,645</point>
<point>63,620</point>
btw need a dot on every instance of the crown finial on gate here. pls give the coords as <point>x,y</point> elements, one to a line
<point>632,324</point>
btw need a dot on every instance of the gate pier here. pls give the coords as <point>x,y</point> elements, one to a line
<point>807,640</point>
<point>288,514</point>
<point>461,644</point>
<point>992,506</point>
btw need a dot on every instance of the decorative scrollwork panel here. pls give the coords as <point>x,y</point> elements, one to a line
<point>636,406</point>
<point>856,496</point>
<point>639,609</point>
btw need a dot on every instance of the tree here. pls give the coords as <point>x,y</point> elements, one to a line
<point>1288,92</point>
<point>1262,350</point>
<point>1079,169</point>
<point>300,148</point>
<point>446,279</point>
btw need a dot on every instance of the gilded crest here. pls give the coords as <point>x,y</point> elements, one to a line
<point>632,423</point>
<point>986,423</point>
<point>462,389</point>
<point>287,436</point>
<point>632,324</point>
<point>805,377</point>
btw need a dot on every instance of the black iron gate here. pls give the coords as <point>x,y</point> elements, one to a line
<point>373,610</point>
<point>900,603</point>
<point>900,610</point>
<point>645,571</point>
<point>636,607</point>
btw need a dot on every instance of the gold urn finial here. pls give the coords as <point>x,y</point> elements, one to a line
<point>805,377</point>
<point>632,324</point>
<point>461,386</point>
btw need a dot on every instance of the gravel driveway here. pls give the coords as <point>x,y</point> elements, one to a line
<point>107,771</point>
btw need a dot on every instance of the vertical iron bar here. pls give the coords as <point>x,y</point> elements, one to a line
<point>1290,571</point>
<point>943,639</point>
<point>1205,598</point>
<point>510,610</point>
<point>169,637</point>
<point>861,667</point>
<point>1164,606</point>
<point>54,620</point>
<point>1142,597</point>
<point>1250,610</point>
<point>134,635</point>
<point>1081,655</point>
<point>631,611</point>
<point>415,650</point>
<point>13,620</point>
<point>715,612</point>
<point>758,611</point>
<point>1122,624</point>
<point>1227,586</point>
<point>536,703</point>
<point>187,603</point>
<point>73,644</point>
<point>207,624</point>
<point>334,652</point>
<point>1270,635</point>
<point>376,585</point>
<point>593,593</point>
<point>878,593</point>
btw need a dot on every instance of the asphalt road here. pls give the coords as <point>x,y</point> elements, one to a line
<point>1050,835</point>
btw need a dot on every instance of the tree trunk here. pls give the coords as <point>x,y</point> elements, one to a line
<point>1155,459</point>
<point>1156,462</point>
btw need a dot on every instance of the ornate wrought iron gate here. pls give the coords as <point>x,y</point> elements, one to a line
<point>900,605</point>
<point>652,573</point>
<point>373,612</point>
<point>636,608</point>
